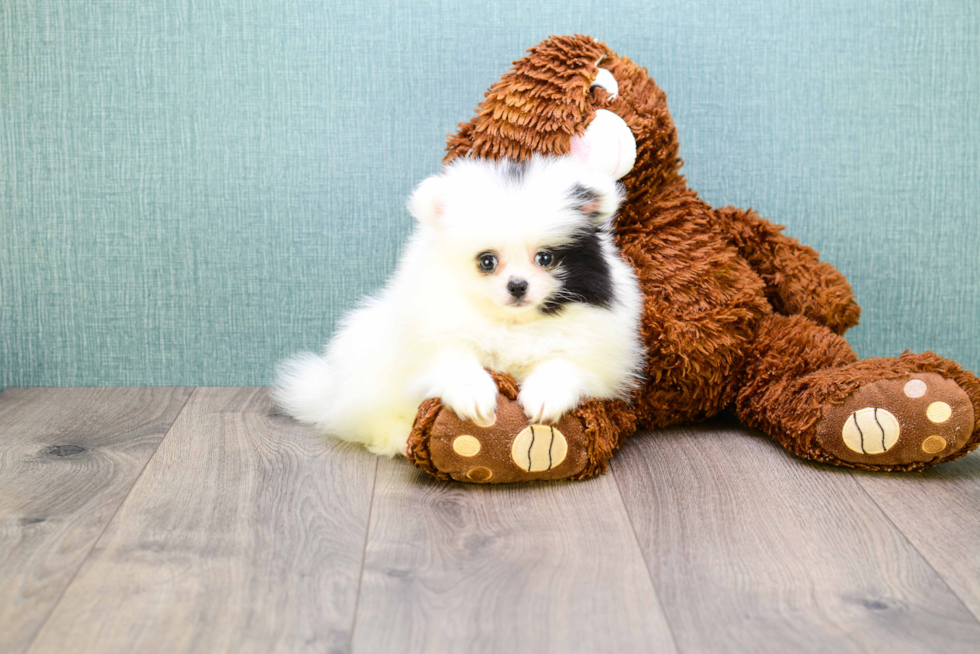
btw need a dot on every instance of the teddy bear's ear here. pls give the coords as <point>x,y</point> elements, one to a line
<point>427,203</point>
<point>596,196</point>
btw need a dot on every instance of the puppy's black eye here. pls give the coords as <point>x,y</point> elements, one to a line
<point>486,262</point>
<point>544,259</point>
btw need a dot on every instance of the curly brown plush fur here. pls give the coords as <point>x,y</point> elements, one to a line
<point>736,313</point>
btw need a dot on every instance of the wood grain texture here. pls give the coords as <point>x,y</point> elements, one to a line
<point>938,510</point>
<point>527,568</point>
<point>244,534</point>
<point>68,458</point>
<point>752,550</point>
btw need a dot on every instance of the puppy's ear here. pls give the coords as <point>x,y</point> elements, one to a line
<point>428,202</point>
<point>597,197</point>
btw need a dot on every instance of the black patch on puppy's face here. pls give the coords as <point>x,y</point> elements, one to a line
<point>583,272</point>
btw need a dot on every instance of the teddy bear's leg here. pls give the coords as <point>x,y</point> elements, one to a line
<point>514,450</point>
<point>805,387</point>
<point>797,281</point>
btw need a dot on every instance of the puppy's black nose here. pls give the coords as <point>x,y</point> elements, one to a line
<point>517,287</point>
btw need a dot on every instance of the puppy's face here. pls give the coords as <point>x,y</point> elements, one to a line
<point>515,274</point>
<point>520,240</point>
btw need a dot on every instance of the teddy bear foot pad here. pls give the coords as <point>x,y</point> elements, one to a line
<point>907,420</point>
<point>510,450</point>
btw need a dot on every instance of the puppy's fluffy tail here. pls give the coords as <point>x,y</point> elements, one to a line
<point>304,389</point>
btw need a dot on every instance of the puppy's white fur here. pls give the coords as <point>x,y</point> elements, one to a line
<point>441,320</point>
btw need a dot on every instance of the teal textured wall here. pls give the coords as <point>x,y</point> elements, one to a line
<point>191,190</point>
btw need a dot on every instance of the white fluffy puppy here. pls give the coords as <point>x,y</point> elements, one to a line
<point>511,268</point>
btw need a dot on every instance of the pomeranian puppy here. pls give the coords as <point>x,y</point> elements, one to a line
<point>511,268</point>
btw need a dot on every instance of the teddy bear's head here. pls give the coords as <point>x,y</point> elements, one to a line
<point>573,95</point>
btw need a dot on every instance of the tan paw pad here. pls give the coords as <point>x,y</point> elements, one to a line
<point>915,388</point>
<point>871,431</point>
<point>479,474</point>
<point>539,447</point>
<point>466,445</point>
<point>939,412</point>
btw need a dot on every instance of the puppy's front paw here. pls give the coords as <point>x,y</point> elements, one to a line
<point>546,399</point>
<point>473,399</point>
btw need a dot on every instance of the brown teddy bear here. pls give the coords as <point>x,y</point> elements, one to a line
<point>736,314</point>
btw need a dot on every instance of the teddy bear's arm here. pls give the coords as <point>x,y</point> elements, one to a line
<point>797,282</point>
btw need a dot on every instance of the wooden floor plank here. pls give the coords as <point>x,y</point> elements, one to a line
<point>525,568</point>
<point>244,534</point>
<point>938,510</point>
<point>68,458</point>
<point>752,550</point>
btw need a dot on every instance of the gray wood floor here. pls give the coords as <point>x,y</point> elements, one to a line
<point>196,520</point>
